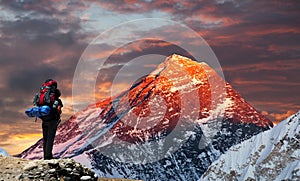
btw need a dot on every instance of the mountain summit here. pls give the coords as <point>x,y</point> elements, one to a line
<point>170,124</point>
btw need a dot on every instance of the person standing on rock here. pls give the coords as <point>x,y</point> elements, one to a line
<point>49,96</point>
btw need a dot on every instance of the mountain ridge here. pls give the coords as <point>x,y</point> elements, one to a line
<point>270,155</point>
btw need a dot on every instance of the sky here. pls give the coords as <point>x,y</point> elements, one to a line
<point>257,44</point>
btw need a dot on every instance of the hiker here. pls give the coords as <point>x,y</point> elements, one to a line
<point>49,126</point>
<point>50,121</point>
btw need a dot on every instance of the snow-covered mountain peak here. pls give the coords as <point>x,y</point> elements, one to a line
<point>181,60</point>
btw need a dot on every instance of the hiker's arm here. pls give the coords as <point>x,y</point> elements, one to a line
<point>59,109</point>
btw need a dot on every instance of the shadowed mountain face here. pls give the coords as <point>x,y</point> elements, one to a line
<point>171,124</point>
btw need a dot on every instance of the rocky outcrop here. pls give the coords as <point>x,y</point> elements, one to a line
<point>58,169</point>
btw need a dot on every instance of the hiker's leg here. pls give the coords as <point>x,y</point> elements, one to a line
<point>45,128</point>
<point>51,135</point>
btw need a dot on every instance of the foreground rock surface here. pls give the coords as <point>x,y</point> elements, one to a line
<point>12,168</point>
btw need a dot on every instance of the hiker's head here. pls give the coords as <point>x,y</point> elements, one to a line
<point>57,93</point>
<point>48,80</point>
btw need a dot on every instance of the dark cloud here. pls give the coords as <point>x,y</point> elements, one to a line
<point>182,8</point>
<point>30,63</point>
<point>9,114</point>
<point>26,79</point>
<point>39,30</point>
<point>24,5</point>
<point>123,55</point>
<point>43,7</point>
<point>25,26</point>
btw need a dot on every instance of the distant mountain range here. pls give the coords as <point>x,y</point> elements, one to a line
<point>271,155</point>
<point>3,152</point>
<point>170,125</point>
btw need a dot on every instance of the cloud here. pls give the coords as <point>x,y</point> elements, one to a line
<point>283,115</point>
<point>46,7</point>
<point>16,143</point>
<point>276,107</point>
<point>201,13</point>
<point>276,65</point>
<point>278,117</point>
<point>239,81</point>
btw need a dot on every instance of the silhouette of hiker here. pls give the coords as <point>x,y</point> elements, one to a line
<point>51,121</point>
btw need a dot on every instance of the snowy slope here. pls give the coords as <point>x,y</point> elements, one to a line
<point>3,152</point>
<point>270,155</point>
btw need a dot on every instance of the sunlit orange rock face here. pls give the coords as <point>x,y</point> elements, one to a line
<point>178,88</point>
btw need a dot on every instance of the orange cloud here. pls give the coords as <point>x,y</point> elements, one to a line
<point>278,117</point>
<point>277,49</point>
<point>240,81</point>
<point>107,89</point>
<point>290,64</point>
<point>282,116</point>
<point>99,54</point>
<point>67,110</point>
<point>17,143</point>
<point>262,30</point>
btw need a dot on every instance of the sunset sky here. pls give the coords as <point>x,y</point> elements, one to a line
<point>257,44</point>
